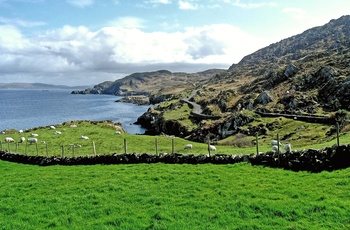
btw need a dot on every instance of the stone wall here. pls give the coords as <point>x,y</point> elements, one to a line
<point>330,158</point>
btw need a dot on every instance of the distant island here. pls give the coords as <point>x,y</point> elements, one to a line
<point>19,85</point>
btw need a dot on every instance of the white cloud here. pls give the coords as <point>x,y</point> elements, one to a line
<point>78,51</point>
<point>81,3</point>
<point>20,22</point>
<point>128,22</point>
<point>187,5</point>
<point>297,13</point>
<point>248,5</point>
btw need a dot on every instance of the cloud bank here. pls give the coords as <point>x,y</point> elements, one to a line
<point>76,55</point>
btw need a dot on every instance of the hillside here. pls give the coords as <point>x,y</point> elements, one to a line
<point>304,75</point>
<point>161,82</point>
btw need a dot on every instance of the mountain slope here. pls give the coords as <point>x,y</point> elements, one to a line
<point>307,74</point>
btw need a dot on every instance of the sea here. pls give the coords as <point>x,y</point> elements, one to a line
<point>29,108</point>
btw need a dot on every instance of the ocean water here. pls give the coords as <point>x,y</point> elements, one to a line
<point>24,109</point>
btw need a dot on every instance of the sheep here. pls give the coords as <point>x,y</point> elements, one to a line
<point>22,139</point>
<point>288,147</point>
<point>34,135</point>
<point>32,140</point>
<point>188,146</point>
<point>118,132</point>
<point>20,131</point>
<point>52,127</point>
<point>275,142</point>
<point>212,148</point>
<point>9,139</point>
<point>57,132</point>
<point>275,148</point>
<point>84,137</point>
<point>43,142</point>
<point>78,146</point>
<point>73,126</point>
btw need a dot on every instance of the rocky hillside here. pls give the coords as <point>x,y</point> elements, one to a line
<point>305,75</point>
<point>160,82</point>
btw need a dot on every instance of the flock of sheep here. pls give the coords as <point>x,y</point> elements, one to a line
<point>33,139</point>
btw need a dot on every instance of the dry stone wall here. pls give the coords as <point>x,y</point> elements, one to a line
<point>330,158</point>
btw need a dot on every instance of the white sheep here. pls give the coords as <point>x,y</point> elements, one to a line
<point>9,139</point>
<point>32,140</point>
<point>275,148</point>
<point>57,132</point>
<point>20,131</point>
<point>288,147</point>
<point>275,142</point>
<point>43,142</point>
<point>188,146</point>
<point>22,139</point>
<point>84,137</point>
<point>212,148</point>
<point>34,134</point>
<point>118,132</point>
<point>52,127</point>
<point>73,126</point>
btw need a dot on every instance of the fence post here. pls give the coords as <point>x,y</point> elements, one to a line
<point>257,143</point>
<point>94,148</point>
<point>124,145</point>
<point>37,149</point>
<point>62,151</point>
<point>209,145</point>
<point>278,148</point>
<point>338,134</point>
<point>157,146</point>
<point>172,145</point>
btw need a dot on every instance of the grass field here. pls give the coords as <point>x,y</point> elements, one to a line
<point>162,196</point>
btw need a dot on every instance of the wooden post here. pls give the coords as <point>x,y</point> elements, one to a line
<point>337,134</point>
<point>62,151</point>
<point>157,146</point>
<point>209,145</point>
<point>94,148</point>
<point>37,149</point>
<point>124,146</point>
<point>47,151</point>
<point>278,148</point>
<point>257,143</point>
<point>172,145</point>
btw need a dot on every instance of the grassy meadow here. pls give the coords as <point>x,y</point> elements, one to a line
<point>164,196</point>
<point>161,196</point>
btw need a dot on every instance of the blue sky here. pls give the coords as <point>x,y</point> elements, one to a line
<point>80,42</point>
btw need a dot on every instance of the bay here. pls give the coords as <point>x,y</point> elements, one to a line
<point>25,109</point>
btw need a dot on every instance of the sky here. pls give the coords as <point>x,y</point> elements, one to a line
<point>86,42</point>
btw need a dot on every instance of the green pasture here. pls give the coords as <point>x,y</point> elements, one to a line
<point>167,196</point>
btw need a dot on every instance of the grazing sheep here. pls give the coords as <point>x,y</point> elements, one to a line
<point>84,137</point>
<point>288,147</point>
<point>9,139</point>
<point>22,139</point>
<point>32,140</point>
<point>275,148</point>
<point>52,127</point>
<point>20,131</point>
<point>212,148</point>
<point>73,126</point>
<point>118,132</point>
<point>43,142</point>
<point>34,134</point>
<point>275,142</point>
<point>78,146</point>
<point>188,146</point>
<point>57,132</point>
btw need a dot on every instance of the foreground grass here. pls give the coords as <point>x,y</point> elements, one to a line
<point>163,196</point>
